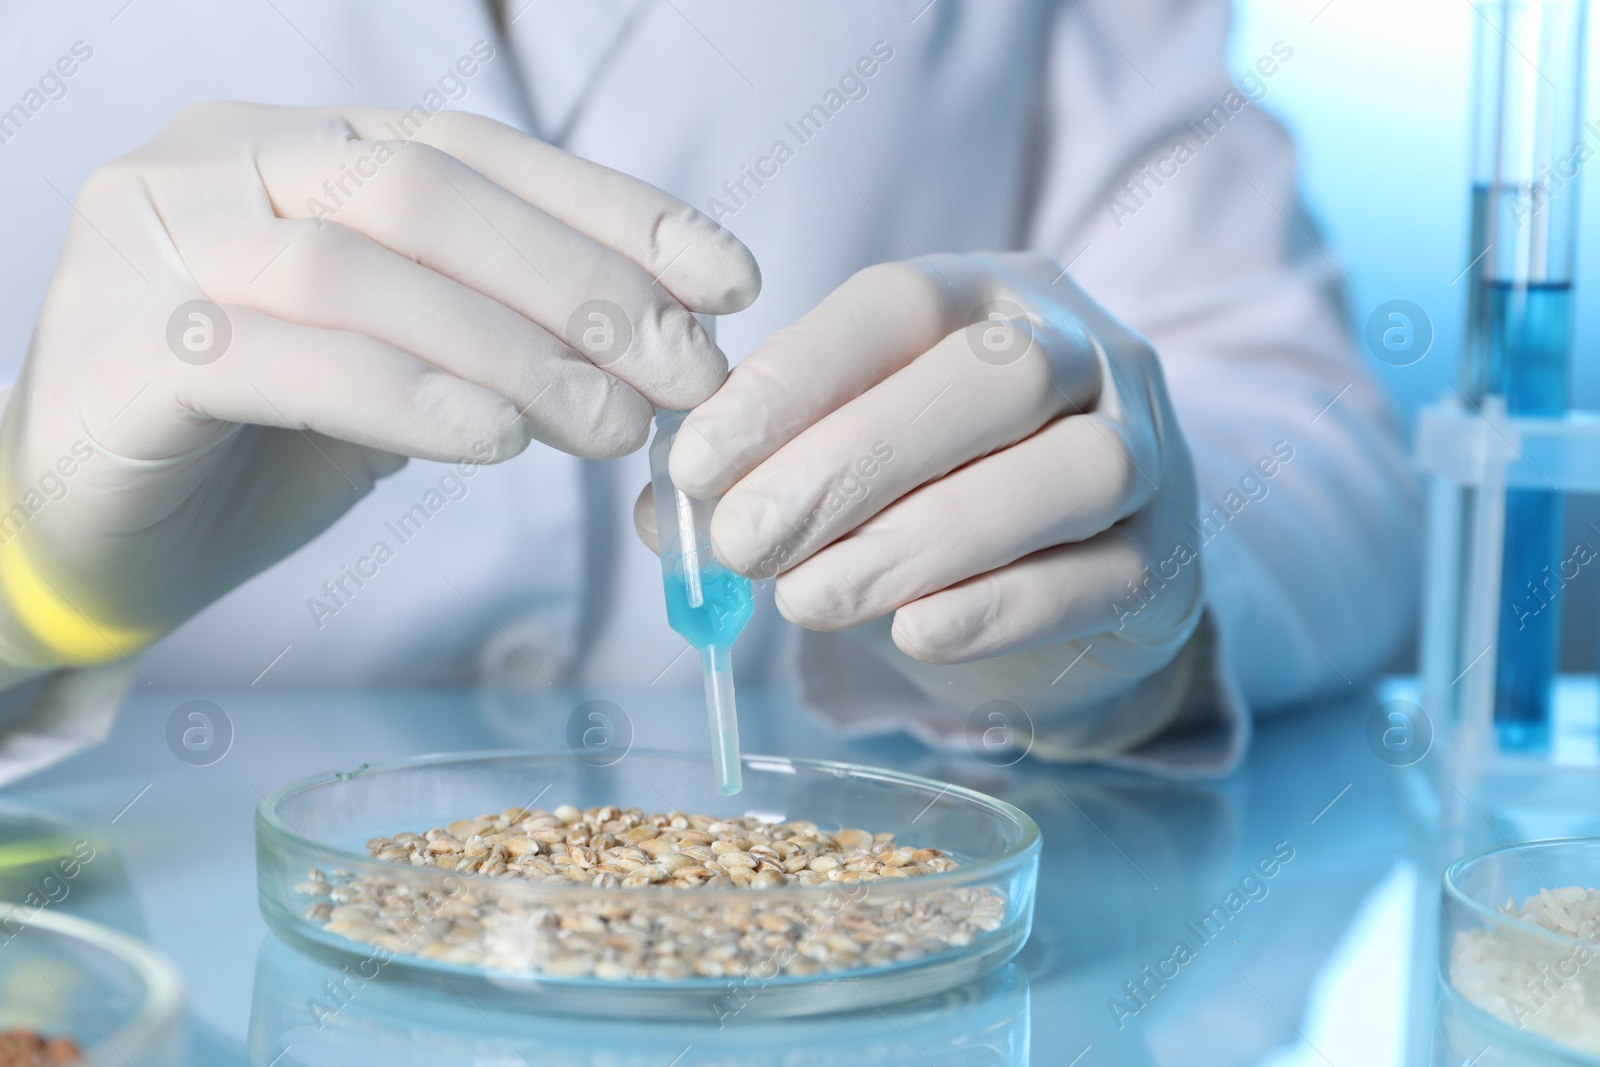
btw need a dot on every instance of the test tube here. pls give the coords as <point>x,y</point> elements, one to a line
<point>707,603</point>
<point>1528,93</point>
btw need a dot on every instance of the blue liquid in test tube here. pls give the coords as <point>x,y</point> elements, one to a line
<point>1529,350</point>
<point>1519,316</point>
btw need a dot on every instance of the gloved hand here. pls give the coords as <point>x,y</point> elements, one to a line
<point>390,284</point>
<point>971,445</point>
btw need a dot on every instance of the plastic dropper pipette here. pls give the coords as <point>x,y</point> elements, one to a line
<point>706,602</point>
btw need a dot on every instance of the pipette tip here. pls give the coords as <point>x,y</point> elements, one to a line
<point>722,717</point>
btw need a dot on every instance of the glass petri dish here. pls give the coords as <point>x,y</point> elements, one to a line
<point>31,844</point>
<point>957,925</point>
<point>61,976</point>
<point>1532,990</point>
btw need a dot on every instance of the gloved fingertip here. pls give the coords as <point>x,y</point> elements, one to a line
<point>456,421</point>
<point>689,367</point>
<point>510,438</point>
<point>904,633</point>
<point>617,424</point>
<point>624,441</point>
<point>712,271</point>
<point>737,543</point>
<point>696,466</point>
<point>743,283</point>
<point>783,606</point>
<point>820,595</point>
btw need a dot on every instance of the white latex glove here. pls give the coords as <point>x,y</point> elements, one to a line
<point>1001,489</point>
<point>383,298</point>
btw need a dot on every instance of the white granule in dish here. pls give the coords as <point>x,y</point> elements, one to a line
<point>1546,990</point>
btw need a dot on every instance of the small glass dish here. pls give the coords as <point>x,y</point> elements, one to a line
<point>63,977</point>
<point>320,824</point>
<point>1535,991</point>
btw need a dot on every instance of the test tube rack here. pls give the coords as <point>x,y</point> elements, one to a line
<point>1486,451</point>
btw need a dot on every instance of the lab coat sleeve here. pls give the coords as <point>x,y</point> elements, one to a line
<point>46,716</point>
<point>1170,191</point>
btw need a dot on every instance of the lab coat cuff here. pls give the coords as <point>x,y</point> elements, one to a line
<point>50,716</point>
<point>1187,720</point>
<point>1208,728</point>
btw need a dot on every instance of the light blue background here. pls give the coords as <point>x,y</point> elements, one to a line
<point>1377,97</point>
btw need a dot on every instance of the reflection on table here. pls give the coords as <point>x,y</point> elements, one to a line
<point>1326,957</point>
<point>313,1014</point>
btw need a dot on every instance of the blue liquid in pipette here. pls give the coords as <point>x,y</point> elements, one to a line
<point>727,604</point>
<point>1528,351</point>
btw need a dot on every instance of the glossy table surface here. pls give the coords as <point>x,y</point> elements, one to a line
<point>1330,960</point>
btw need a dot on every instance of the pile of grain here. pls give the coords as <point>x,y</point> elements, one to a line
<point>1553,992</point>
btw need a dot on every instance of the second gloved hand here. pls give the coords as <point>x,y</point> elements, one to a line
<point>971,446</point>
<point>263,310</point>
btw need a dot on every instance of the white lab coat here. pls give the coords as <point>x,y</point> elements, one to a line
<point>995,125</point>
